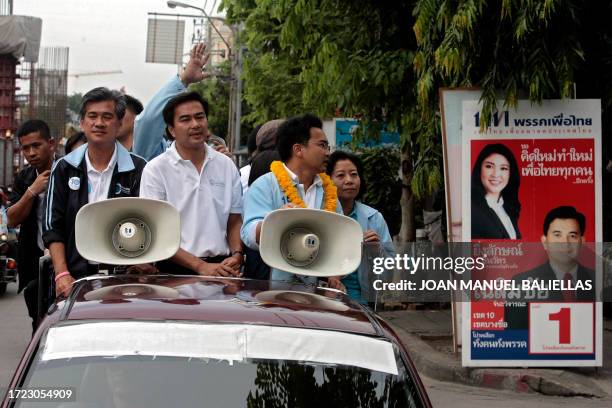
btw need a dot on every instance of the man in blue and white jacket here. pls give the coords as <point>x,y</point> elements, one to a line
<point>96,171</point>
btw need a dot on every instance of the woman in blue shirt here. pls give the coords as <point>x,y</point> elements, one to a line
<point>346,171</point>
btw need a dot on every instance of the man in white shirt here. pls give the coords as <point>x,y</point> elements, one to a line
<point>95,171</point>
<point>204,186</point>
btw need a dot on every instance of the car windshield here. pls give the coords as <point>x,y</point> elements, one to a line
<point>168,379</point>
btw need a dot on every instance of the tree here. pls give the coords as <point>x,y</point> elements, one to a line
<point>383,192</point>
<point>331,54</point>
<point>329,57</point>
<point>529,48</point>
<point>74,102</point>
<point>384,62</point>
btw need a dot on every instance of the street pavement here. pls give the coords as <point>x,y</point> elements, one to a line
<point>15,332</point>
<point>427,335</point>
<point>446,394</point>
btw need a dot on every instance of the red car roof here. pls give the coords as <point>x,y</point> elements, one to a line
<point>216,300</point>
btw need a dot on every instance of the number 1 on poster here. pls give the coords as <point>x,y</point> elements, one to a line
<point>563,316</point>
<point>561,328</point>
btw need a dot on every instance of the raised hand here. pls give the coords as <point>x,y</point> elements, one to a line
<point>194,70</point>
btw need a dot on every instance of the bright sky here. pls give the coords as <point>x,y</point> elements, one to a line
<point>106,35</point>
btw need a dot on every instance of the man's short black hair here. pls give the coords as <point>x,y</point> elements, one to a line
<point>133,104</point>
<point>102,94</point>
<point>295,130</point>
<point>565,212</point>
<point>34,125</point>
<point>252,140</point>
<point>180,99</point>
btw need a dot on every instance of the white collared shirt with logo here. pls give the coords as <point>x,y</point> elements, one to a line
<point>310,196</point>
<point>98,182</point>
<point>498,207</point>
<point>205,200</point>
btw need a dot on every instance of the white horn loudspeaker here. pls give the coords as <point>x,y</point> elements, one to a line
<point>127,231</point>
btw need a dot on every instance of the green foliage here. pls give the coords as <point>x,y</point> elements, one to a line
<point>384,189</point>
<point>527,48</point>
<point>326,56</point>
<point>272,88</point>
<point>333,58</point>
<point>74,102</point>
<point>384,61</point>
<point>216,91</point>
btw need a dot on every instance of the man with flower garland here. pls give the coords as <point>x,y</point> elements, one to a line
<point>298,181</point>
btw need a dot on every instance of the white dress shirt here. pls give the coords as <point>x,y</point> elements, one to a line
<point>498,207</point>
<point>245,172</point>
<point>98,182</point>
<point>40,211</point>
<point>560,275</point>
<point>310,196</point>
<point>204,199</point>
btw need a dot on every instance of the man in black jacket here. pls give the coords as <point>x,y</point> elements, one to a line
<point>563,238</point>
<point>27,206</point>
<point>98,170</point>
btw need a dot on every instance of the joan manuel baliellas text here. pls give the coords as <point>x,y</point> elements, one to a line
<point>485,285</point>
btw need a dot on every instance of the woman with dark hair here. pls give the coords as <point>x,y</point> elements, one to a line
<point>252,151</point>
<point>495,203</point>
<point>75,141</point>
<point>346,171</point>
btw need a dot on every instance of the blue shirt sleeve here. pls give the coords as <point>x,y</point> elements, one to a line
<point>379,225</point>
<point>258,202</point>
<point>149,126</point>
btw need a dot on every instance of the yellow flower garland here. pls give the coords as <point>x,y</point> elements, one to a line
<point>329,199</point>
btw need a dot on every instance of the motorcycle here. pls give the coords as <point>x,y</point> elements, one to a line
<point>8,265</point>
<point>8,253</point>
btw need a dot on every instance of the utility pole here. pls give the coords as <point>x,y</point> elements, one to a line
<point>235,97</point>
<point>238,76</point>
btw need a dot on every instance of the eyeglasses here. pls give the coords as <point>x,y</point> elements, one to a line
<point>322,145</point>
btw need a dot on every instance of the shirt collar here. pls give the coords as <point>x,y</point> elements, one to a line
<point>492,202</point>
<point>317,179</point>
<point>353,214</point>
<point>123,157</point>
<point>110,166</point>
<point>362,211</point>
<point>176,157</point>
<point>560,274</point>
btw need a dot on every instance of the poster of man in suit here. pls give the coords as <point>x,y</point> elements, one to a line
<point>534,181</point>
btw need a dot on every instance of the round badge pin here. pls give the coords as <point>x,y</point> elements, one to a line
<point>74,183</point>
